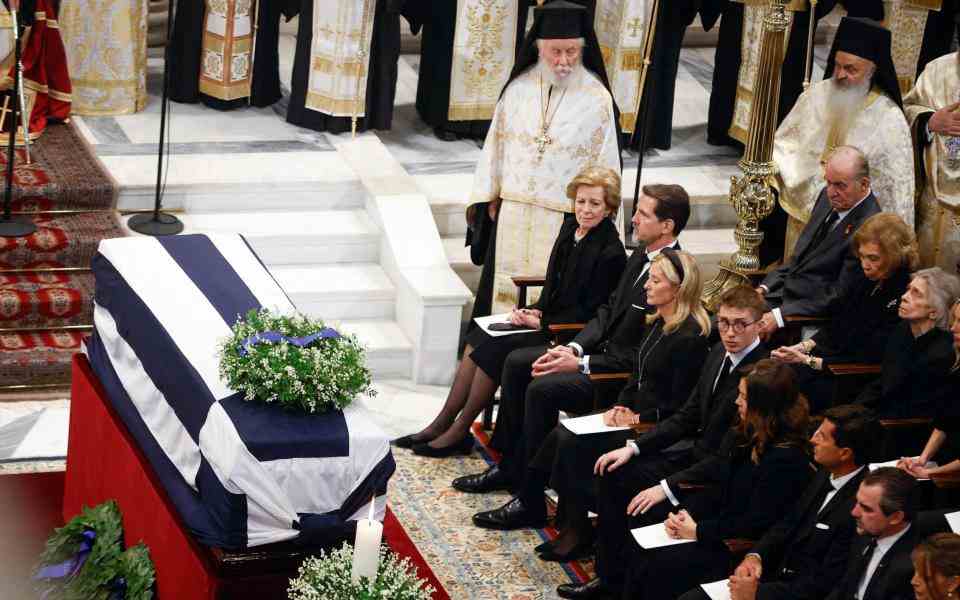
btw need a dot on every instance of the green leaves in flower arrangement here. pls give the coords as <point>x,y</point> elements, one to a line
<point>294,362</point>
<point>327,577</point>
<point>85,560</point>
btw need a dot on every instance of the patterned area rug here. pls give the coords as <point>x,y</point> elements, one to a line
<point>70,197</point>
<point>470,562</point>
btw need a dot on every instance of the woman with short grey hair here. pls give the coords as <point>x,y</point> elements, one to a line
<point>919,353</point>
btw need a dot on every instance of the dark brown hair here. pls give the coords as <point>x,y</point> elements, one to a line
<point>899,491</point>
<point>777,415</point>
<point>938,554</point>
<point>744,297</point>
<point>895,238</point>
<point>673,202</point>
<point>857,428</point>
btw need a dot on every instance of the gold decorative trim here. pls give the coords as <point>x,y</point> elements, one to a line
<point>464,112</point>
<point>42,329</point>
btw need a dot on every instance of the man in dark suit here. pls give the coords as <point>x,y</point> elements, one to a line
<point>683,448</point>
<point>822,266</point>
<point>802,556</point>
<point>879,566</point>
<point>557,378</point>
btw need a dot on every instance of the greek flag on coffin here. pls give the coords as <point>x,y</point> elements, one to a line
<point>239,473</point>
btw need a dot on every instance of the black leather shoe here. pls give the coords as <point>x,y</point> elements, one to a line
<point>545,547</point>
<point>409,441</point>
<point>479,483</point>
<point>593,589</point>
<point>580,551</point>
<point>512,515</point>
<point>464,446</point>
<point>445,135</point>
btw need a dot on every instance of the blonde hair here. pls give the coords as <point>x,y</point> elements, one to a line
<point>688,296</point>
<point>594,175</point>
<point>895,238</point>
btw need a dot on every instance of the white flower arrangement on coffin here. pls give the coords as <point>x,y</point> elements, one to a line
<point>293,362</point>
<point>328,577</point>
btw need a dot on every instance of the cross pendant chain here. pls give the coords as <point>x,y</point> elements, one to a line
<point>543,140</point>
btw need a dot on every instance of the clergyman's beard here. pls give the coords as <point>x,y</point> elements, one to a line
<point>551,77</point>
<point>845,101</point>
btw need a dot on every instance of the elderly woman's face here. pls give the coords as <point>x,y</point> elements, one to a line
<point>873,261</point>
<point>915,302</point>
<point>589,207</point>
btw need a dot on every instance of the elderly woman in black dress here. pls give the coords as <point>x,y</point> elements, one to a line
<point>944,442</point>
<point>669,361</point>
<point>858,332</point>
<point>585,265</point>
<point>919,353</point>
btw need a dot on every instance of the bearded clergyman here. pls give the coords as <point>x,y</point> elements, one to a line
<point>933,109</point>
<point>555,116</point>
<point>857,104</point>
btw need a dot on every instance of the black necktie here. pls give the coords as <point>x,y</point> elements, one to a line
<point>724,373</point>
<point>644,259</point>
<point>861,570</point>
<point>824,229</point>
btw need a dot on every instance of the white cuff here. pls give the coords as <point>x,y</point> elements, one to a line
<point>585,365</point>
<point>576,348</point>
<point>666,490</point>
<point>633,447</point>
<point>766,289</point>
<point>928,132</point>
<point>778,317</point>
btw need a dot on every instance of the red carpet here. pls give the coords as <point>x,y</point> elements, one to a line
<point>30,505</point>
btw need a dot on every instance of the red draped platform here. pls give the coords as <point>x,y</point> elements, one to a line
<point>104,463</point>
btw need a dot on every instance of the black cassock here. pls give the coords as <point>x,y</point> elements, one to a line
<point>726,68</point>
<point>186,47</point>
<point>381,73</point>
<point>942,26</point>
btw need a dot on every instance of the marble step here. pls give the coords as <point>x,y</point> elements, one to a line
<point>389,351</point>
<point>254,181</point>
<point>708,187</point>
<point>298,238</point>
<point>343,291</point>
<point>709,247</point>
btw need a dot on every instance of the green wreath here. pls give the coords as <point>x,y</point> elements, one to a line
<point>328,577</point>
<point>85,560</point>
<point>294,362</point>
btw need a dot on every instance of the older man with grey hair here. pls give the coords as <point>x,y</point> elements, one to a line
<point>919,353</point>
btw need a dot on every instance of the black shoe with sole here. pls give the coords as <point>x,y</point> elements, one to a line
<point>464,446</point>
<point>512,515</point>
<point>479,483</point>
<point>593,590</point>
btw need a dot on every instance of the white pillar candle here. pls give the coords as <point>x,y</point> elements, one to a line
<point>366,548</point>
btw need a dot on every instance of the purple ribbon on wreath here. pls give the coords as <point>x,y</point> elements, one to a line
<point>71,566</point>
<point>275,337</point>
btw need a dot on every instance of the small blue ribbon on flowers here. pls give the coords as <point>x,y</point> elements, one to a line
<point>70,567</point>
<point>118,589</point>
<point>275,337</point>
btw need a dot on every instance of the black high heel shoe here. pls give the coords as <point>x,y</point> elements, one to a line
<point>547,546</point>
<point>580,551</point>
<point>409,441</point>
<point>464,447</point>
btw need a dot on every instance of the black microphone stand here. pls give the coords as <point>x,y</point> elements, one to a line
<point>156,222</point>
<point>9,226</point>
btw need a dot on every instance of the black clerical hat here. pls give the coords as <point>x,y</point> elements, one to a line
<point>560,20</point>
<point>870,40</point>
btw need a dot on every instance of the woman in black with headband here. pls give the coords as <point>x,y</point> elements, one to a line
<point>668,365</point>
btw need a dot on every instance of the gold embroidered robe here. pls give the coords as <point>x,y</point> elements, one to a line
<point>938,227</point>
<point>533,186</point>
<point>879,130</point>
<point>106,44</point>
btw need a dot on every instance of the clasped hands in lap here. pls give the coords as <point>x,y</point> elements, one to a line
<point>526,317</point>
<point>559,359</point>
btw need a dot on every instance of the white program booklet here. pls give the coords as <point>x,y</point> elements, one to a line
<point>589,424</point>
<point>485,322</point>
<point>654,536</point>
<point>953,519</point>
<point>718,590</point>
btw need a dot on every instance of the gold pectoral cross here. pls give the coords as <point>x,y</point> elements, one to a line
<point>543,140</point>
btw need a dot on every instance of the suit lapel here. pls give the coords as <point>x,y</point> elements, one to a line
<point>905,542</point>
<point>816,218</point>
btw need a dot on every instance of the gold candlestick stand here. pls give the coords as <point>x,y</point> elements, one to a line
<point>752,193</point>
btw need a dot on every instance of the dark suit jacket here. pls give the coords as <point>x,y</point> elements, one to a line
<point>704,419</point>
<point>579,280</point>
<point>915,371</point>
<point>613,336</point>
<point>891,580</point>
<point>754,495</point>
<point>806,552</point>
<point>671,363</point>
<point>813,281</point>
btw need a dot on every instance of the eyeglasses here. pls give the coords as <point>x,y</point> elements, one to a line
<point>738,325</point>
